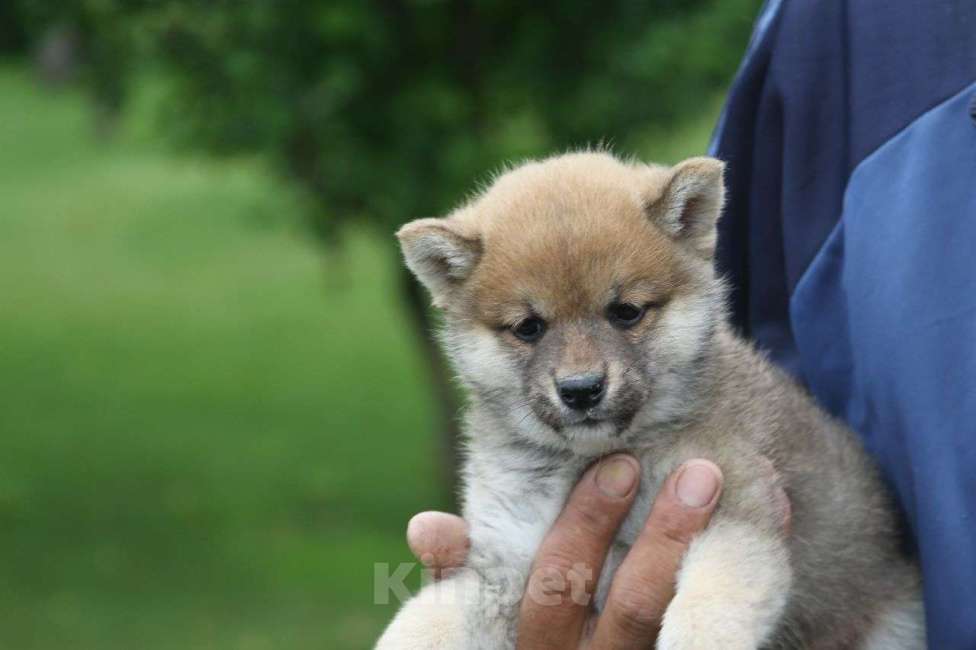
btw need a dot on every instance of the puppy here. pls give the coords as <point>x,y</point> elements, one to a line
<point>583,315</point>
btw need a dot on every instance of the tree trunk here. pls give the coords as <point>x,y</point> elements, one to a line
<point>57,57</point>
<point>446,395</point>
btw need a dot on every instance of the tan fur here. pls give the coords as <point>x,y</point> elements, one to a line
<point>537,213</point>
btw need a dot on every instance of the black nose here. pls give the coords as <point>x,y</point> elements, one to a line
<point>582,391</point>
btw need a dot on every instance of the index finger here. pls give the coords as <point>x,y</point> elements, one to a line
<point>644,583</point>
<point>568,562</point>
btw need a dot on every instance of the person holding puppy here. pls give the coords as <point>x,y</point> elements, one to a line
<point>850,138</point>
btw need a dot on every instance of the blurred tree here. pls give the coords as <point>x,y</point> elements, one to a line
<point>13,33</point>
<point>87,39</point>
<point>385,111</point>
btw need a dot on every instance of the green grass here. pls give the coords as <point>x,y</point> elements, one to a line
<point>205,441</point>
<point>208,434</point>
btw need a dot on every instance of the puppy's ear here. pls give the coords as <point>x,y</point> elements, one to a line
<point>440,254</point>
<point>688,205</point>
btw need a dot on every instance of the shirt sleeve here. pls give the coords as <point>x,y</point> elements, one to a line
<point>852,183</point>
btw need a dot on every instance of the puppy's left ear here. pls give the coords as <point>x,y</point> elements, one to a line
<point>440,253</point>
<point>688,206</point>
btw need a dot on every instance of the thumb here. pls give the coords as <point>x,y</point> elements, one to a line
<point>439,540</point>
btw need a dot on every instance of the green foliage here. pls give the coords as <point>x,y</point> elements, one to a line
<point>98,33</point>
<point>388,110</point>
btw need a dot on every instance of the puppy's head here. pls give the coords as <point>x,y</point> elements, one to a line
<point>578,294</point>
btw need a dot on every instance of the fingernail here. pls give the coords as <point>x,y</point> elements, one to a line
<point>698,482</point>
<point>616,476</point>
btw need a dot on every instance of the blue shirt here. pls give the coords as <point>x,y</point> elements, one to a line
<point>850,242</point>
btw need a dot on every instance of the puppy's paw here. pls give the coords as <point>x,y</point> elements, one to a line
<point>703,626</point>
<point>732,589</point>
<point>431,620</point>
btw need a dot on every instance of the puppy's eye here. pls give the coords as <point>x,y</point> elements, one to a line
<point>530,329</point>
<point>624,314</point>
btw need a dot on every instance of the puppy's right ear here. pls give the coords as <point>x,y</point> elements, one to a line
<point>439,254</point>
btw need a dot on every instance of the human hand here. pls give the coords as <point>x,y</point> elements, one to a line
<point>643,585</point>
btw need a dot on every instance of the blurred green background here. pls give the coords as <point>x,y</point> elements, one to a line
<point>218,401</point>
